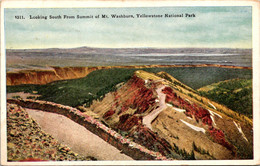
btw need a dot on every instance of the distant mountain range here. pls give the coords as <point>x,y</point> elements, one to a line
<point>136,50</point>
<point>20,59</point>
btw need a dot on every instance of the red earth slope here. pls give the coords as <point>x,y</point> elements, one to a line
<point>172,119</point>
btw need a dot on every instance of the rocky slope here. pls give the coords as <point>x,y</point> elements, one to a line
<point>27,142</point>
<point>64,73</point>
<point>164,115</point>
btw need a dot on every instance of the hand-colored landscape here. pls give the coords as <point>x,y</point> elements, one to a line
<point>153,110</point>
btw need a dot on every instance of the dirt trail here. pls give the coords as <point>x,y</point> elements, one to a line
<point>78,138</point>
<point>147,120</point>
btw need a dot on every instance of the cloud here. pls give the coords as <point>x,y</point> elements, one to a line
<point>212,26</point>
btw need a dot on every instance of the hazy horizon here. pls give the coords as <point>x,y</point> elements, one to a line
<point>126,48</point>
<point>85,56</point>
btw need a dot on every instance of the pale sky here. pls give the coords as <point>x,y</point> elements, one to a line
<point>221,27</point>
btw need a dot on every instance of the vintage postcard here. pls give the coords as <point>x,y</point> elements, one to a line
<point>102,82</point>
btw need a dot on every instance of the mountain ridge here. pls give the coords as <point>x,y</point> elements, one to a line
<point>168,117</point>
<point>55,73</point>
<point>128,108</point>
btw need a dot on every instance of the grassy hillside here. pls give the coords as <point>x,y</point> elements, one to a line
<point>236,94</point>
<point>97,83</point>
